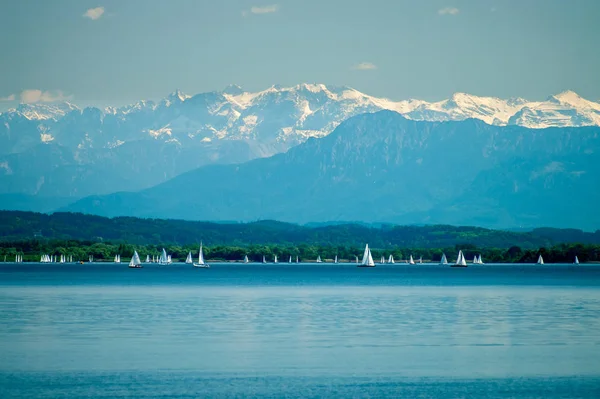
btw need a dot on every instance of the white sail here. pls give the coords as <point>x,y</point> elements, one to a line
<point>200,256</point>
<point>169,259</point>
<point>540,260</point>
<point>275,259</point>
<point>162,259</point>
<point>245,258</point>
<point>335,260</point>
<point>576,260</point>
<point>475,260</point>
<point>460,260</point>
<point>189,260</point>
<point>382,260</point>
<point>411,261</point>
<point>296,258</point>
<point>264,260</point>
<point>367,259</point>
<point>319,259</point>
<point>91,258</point>
<point>356,258</point>
<point>391,259</point>
<point>201,263</point>
<point>290,261</point>
<point>444,260</point>
<point>420,259</point>
<point>135,260</point>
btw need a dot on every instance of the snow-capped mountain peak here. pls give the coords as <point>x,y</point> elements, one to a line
<point>278,118</point>
<point>177,96</point>
<point>574,100</point>
<point>234,90</point>
<point>44,111</point>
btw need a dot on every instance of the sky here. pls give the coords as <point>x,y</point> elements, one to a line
<point>114,52</point>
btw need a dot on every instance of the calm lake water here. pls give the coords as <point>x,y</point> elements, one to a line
<point>292,331</point>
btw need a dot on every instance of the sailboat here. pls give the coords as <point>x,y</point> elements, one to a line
<point>169,261</point>
<point>460,260</point>
<point>147,258</point>
<point>296,258</point>
<point>264,260</point>
<point>135,262</point>
<point>163,259</point>
<point>290,261</point>
<point>335,260</point>
<point>245,258</point>
<point>117,259</point>
<point>420,259</point>
<point>444,260</point>
<point>479,261</point>
<point>382,260</point>
<point>189,260</point>
<point>576,260</point>
<point>356,258</point>
<point>367,260</point>
<point>319,259</point>
<point>411,261</point>
<point>201,263</point>
<point>540,260</point>
<point>275,259</point>
<point>391,259</point>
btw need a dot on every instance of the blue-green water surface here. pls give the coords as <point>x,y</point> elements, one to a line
<point>494,331</point>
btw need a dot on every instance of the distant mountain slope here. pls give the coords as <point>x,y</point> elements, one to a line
<point>99,151</point>
<point>67,226</point>
<point>384,168</point>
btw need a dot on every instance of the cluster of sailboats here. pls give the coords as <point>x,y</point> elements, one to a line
<point>367,260</point>
<point>165,259</point>
<point>54,259</point>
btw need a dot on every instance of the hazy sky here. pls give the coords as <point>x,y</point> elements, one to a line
<point>105,52</point>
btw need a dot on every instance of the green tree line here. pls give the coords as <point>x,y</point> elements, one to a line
<point>16,225</point>
<point>33,249</point>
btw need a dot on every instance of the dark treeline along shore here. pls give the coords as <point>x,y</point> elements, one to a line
<point>80,236</point>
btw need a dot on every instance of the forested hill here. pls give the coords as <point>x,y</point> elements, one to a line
<point>15,225</point>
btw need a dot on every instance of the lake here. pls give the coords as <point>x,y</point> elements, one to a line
<point>308,330</point>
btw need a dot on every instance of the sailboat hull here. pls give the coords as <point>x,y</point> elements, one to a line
<point>136,266</point>
<point>201,266</point>
<point>458,266</point>
<point>364,266</point>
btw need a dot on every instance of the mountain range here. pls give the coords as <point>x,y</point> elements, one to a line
<point>383,167</point>
<point>56,153</point>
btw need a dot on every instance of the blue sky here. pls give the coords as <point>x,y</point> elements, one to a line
<point>107,52</point>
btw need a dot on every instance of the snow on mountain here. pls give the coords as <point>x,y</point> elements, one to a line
<point>150,141</point>
<point>493,111</point>
<point>291,114</point>
<point>43,111</point>
<point>564,109</point>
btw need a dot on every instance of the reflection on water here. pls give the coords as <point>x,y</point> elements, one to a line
<point>386,336</point>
